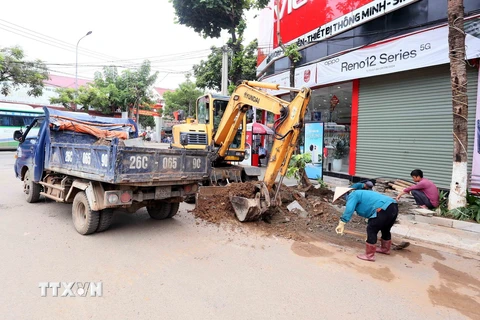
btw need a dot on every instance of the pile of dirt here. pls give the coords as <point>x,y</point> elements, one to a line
<point>320,214</point>
<point>216,207</point>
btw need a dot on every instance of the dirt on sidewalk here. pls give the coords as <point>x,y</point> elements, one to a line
<point>320,215</point>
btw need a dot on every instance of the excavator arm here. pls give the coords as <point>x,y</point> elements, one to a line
<point>286,128</point>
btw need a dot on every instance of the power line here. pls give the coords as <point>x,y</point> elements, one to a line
<point>28,33</point>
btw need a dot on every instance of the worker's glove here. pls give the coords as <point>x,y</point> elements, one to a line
<point>341,226</point>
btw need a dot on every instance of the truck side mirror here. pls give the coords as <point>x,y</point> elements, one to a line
<point>18,135</point>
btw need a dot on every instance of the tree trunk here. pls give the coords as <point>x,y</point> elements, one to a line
<point>304,181</point>
<point>458,75</point>
<point>292,79</point>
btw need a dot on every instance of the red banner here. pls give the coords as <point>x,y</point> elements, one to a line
<point>298,17</point>
<point>146,112</point>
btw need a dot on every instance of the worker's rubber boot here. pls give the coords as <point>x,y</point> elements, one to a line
<point>369,252</point>
<point>385,246</point>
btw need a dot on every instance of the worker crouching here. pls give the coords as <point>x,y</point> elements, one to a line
<point>381,212</point>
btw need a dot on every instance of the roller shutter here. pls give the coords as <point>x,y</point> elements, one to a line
<point>405,123</point>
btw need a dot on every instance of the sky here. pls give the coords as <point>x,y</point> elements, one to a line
<point>123,34</point>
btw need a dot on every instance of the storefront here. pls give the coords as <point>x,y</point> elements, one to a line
<point>388,102</point>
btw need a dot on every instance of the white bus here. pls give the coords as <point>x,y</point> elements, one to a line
<point>14,116</point>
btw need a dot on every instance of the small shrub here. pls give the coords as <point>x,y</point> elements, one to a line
<point>470,212</point>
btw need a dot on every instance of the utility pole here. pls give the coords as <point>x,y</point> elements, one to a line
<point>225,70</point>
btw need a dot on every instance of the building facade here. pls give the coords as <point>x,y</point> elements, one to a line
<point>380,76</point>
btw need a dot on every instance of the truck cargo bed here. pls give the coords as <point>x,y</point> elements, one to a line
<point>117,164</point>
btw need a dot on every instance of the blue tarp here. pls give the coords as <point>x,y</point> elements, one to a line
<point>81,116</point>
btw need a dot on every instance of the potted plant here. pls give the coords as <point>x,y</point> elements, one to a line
<point>339,152</point>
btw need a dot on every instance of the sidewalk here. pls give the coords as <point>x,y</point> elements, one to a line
<point>460,240</point>
<point>420,233</point>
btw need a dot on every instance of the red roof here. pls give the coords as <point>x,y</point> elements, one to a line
<point>69,82</point>
<point>161,91</point>
<point>64,82</point>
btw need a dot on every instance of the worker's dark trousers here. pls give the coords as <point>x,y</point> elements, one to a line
<point>421,198</point>
<point>383,222</point>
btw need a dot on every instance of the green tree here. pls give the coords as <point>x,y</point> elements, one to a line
<point>146,121</point>
<point>16,72</point>
<point>183,98</point>
<point>210,17</point>
<point>208,73</point>
<point>111,91</point>
<point>249,54</point>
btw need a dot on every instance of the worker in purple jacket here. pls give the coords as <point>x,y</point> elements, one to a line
<point>425,192</point>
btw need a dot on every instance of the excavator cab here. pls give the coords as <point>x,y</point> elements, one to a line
<point>199,133</point>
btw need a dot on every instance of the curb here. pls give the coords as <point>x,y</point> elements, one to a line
<point>449,223</point>
<point>454,239</point>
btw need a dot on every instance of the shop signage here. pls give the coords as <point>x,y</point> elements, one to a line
<point>305,22</point>
<point>305,76</point>
<point>421,50</point>
<point>314,146</point>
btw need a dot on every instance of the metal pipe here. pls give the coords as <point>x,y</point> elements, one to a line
<point>278,189</point>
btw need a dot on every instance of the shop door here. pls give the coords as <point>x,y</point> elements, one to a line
<point>405,123</point>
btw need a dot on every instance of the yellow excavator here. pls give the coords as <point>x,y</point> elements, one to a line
<point>287,129</point>
<point>198,134</point>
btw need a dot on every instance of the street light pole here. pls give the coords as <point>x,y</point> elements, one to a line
<point>76,60</point>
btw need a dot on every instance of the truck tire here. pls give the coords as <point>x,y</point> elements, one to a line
<point>30,188</point>
<point>105,219</point>
<point>174,209</point>
<point>163,210</point>
<point>84,219</point>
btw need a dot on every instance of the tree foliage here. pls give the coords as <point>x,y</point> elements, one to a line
<point>111,91</point>
<point>208,73</point>
<point>146,121</point>
<point>183,98</point>
<point>296,169</point>
<point>210,17</point>
<point>15,71</point>
<point>249,71</point>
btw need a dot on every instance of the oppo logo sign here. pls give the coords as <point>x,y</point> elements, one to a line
<point>332,61</point>
<point>289,5</point>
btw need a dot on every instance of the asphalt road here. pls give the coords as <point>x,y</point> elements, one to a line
<point>186,269</point>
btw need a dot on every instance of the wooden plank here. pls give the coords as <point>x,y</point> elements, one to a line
<point>395,187</point>
<point>400,181</point>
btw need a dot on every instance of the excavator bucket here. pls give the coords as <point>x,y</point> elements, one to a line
<point>247,209</point>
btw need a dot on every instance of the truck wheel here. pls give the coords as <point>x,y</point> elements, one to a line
<point>173,209</point>
<point>30,188</point>
<point>106,217</point>
<point>84,219</point>
<point>163,210</point>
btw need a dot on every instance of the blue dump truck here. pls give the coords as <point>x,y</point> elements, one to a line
<point>99,163</point>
